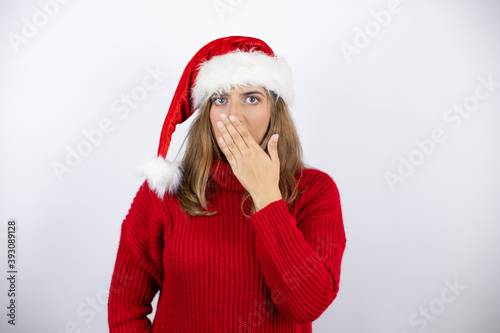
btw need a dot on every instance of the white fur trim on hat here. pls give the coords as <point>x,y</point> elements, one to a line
<point>243,68</point>
<point>163,176</point>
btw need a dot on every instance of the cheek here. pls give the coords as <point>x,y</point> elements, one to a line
<point>260,119</point>
<point>214,118</point>
<point>257,123</point>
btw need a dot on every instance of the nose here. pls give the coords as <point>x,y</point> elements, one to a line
<point>235,109</point>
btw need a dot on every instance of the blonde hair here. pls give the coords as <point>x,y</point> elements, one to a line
<point>202,150</point>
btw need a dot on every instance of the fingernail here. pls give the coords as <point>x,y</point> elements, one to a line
<point>232,118</point>
<point>220,124</point>
<point>221,140</point>
<point>222,116</point>
<point>275,137</point>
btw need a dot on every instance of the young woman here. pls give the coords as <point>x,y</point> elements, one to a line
<point>240,236</point>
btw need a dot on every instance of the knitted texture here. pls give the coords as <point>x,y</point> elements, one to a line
<point>276,271</point>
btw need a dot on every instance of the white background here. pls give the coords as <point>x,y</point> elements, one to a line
<point>357,117</point>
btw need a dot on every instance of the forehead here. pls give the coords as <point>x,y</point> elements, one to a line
<point>242,89</point>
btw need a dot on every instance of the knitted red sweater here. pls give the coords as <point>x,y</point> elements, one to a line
<point>276,271</point>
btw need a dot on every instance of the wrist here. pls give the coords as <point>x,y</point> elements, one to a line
<point>265,199</point>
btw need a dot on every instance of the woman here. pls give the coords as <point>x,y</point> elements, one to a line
<point>240,236</point>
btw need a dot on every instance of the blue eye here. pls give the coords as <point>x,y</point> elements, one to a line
<point>252,99</point>
<point>219,100</point>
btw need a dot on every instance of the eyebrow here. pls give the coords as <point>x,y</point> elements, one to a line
<point>253,93</point>
<point>244,94</point>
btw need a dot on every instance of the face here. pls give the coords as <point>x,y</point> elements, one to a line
<point>248,104</point>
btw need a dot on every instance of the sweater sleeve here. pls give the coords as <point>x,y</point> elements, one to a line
<point>301,258</point>
<point>138,272</point>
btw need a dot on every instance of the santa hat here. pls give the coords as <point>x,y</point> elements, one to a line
<point>221,64</point>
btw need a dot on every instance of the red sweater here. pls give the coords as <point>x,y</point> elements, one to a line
<point>276,271</point>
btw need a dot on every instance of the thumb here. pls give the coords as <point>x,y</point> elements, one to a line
<point>272,147</point>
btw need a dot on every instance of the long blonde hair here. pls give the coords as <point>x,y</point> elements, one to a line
<point>202,150</point>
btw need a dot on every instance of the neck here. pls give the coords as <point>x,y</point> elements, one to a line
<point>222,174</point>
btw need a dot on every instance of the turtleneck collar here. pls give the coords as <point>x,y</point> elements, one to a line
<point>223,176</point>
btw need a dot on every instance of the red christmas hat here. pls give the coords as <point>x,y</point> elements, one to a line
<point>221,64</point>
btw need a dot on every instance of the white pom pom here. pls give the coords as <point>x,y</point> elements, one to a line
<point>162,175</point>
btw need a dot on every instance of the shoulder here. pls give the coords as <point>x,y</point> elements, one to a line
<point>149,193</point>
<point>153,209</point>
<point>314,180</point>
<point>148,198</point>
<point>318,190</point>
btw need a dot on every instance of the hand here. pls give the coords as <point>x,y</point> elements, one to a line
<point>257,172</point>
